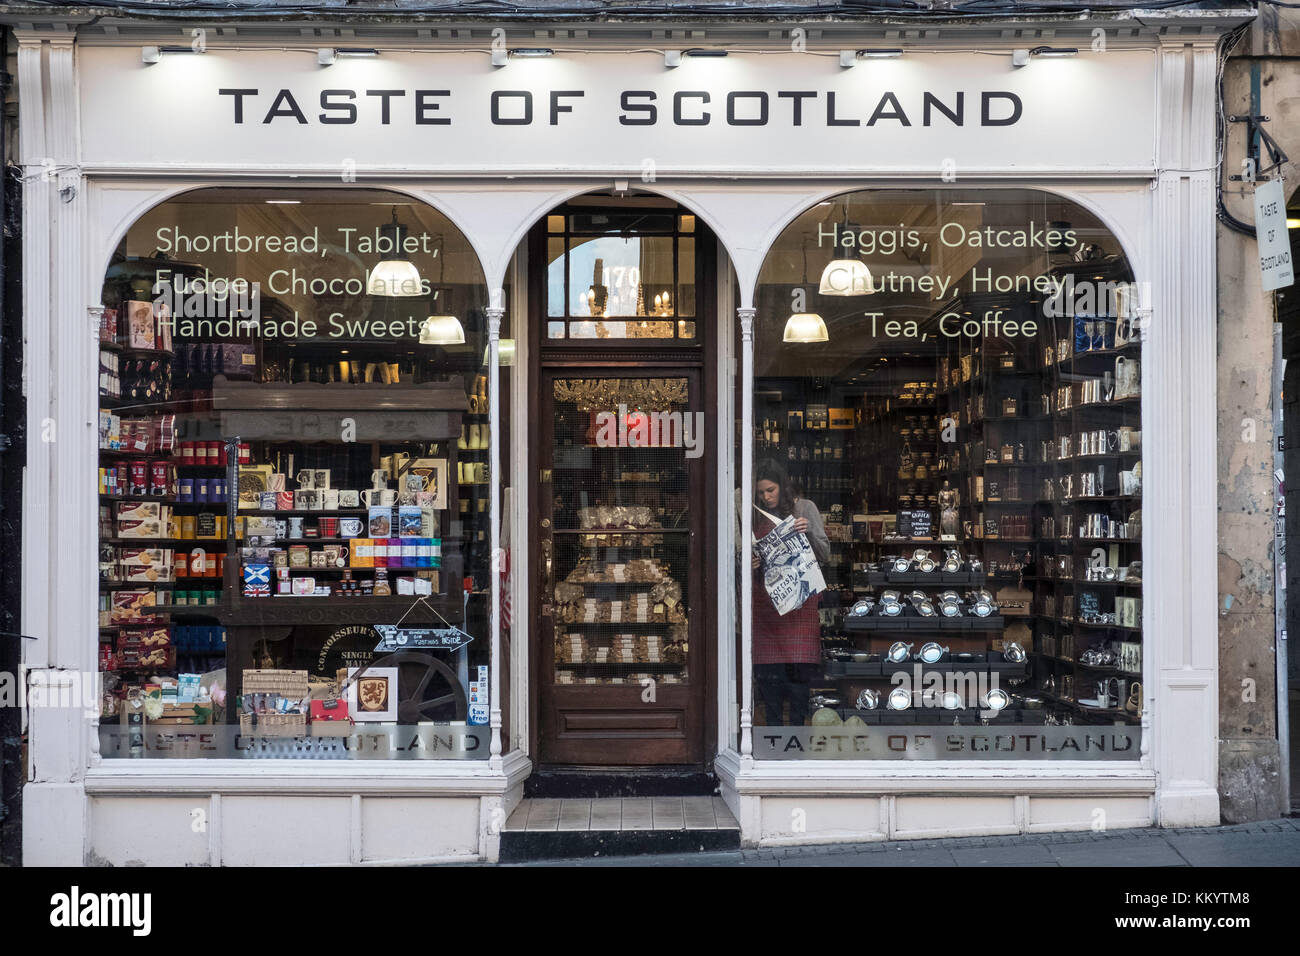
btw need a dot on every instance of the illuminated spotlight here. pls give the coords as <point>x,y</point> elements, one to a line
<point>530,51</point>
<point>672,58</point>
<point>1021,56</point>
<point>705,52</point>
<point>150,55</point>
<point>326,55</point>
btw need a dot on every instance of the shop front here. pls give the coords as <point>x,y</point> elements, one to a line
<point>826,425</point>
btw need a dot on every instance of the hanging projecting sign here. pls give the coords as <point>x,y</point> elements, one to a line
<point>1275,265</point>
<point>395,638</point>
<point>952,113</point>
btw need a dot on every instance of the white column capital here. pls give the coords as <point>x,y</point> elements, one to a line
<point>746,317</point>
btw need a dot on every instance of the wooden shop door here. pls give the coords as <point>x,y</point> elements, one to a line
<point>619,652</point>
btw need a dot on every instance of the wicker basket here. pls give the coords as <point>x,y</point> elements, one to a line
<point>286,683</point>
<point>273,725</point>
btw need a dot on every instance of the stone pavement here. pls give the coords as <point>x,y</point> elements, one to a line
<point>1270,843</point>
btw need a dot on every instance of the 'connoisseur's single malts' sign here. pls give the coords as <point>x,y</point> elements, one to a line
<point>618,112</point>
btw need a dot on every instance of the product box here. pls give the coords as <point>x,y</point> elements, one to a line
<point>361,553</point>
<point>140,510</point>
<point>257,580</point>
<point>381,521</point>
<point>140,329</point>
<point>146,565</point>
<point>144,637</point>
<point>409,521</point>
<point>840,418</point>
<point>1128,611</point>
<point>335,709</point>
<point>132,605</point>
<point>259,527</point>
<point>141,528</point>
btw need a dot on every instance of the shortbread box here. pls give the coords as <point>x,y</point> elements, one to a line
<point>147,565</point>
<point>140,510</point>
<point>140,528</point>
<point>133,605</point>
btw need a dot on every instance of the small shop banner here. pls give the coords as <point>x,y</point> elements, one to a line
<point>790,570</point>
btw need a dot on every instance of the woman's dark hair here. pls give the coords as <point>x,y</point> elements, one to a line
<point>767,469</point>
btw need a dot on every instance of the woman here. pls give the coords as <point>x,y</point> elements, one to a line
<point>787,648</point>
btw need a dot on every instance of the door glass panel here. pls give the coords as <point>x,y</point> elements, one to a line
<point>620,529</point>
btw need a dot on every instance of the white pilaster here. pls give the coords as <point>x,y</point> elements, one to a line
<point>1179,410</point>
<point>746,316</point>
<point>494,316</point>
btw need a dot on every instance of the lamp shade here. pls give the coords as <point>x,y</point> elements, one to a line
<point>845,277</point>
<point>805,327</point>
<point>442,330</point>
<point>394,277</point>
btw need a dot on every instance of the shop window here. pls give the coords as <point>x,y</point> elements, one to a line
<point>293,506</point>
<point>947,483</point>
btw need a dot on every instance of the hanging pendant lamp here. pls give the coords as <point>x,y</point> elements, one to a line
<point>395,276</point>
<point>805,326</point>
<point>846,275</point>
<point>442,330</point>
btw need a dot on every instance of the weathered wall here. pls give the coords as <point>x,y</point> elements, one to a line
<point>1250,761</point>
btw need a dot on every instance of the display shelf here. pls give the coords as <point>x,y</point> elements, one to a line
<point>912,625</point>
<point>329,610</point>
<point>930,578</point>
<point>159,542</point>
<point>310,513</point>
<point>1128,348</point>
<point>595,531</point>
<point>624,625</point>
<point>882,669</point>
<point>621,666</point>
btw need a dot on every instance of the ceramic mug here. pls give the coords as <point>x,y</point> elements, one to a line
<point>329,499</point>
<point>306,479</point>
<point>379,497</point>
<point>349,498</point>
<point>351,527</point>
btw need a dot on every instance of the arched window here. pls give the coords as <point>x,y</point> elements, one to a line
<point>293,479</point>
<point>948,409</point>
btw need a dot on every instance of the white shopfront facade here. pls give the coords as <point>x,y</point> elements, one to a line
<point>1128,132</point>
